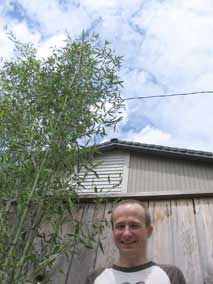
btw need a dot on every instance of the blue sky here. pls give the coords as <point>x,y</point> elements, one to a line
<point>167,47</point>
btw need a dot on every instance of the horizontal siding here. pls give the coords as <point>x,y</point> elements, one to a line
<point>110,173</point>
<point>148,173</point>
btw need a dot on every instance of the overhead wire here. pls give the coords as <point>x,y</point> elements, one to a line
<point>169,95</point>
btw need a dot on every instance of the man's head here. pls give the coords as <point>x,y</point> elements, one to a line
<point>147,216</point>
<point>131,226</point>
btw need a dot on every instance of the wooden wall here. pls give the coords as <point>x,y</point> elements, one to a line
<point>183,235</point>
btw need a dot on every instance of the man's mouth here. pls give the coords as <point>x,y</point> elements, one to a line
<point>128,243</point>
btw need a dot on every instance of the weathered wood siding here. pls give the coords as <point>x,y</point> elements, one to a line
<point>183,235</point>
<point>151,173</point>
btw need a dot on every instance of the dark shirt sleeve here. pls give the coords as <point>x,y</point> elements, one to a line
<point>174,273</point>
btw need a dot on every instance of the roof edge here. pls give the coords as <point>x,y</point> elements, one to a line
<point>152,149</point>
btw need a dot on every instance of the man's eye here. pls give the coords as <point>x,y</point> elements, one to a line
<point>119,227</point>
<point>134,226</point>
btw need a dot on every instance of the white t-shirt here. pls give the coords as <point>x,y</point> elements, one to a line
<point>148,273</point>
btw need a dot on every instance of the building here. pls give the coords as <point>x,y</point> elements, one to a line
<point>135,168</point>
<point>177,186</point>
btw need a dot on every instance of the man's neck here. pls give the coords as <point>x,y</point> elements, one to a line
<point>132,261</point>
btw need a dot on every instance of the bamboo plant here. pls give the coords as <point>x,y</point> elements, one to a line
<point>51,110</point>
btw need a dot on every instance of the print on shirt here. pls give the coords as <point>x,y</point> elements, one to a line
<point>140,282</point>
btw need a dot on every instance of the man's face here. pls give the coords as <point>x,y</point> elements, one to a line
<point>129,229</point>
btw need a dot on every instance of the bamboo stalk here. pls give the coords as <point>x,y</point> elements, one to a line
<point>12,248</point>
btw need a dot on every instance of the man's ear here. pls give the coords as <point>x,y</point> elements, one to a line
<point>149,231</point>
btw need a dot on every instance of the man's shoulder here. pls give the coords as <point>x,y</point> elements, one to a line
<point>92,276</point>
<point>174,273</point>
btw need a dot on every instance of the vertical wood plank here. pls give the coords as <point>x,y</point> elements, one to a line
<point>98,220</point>
<point>204,225</point>
<point>185,244</point>
<point>82,262</point>
<point>63,262</point>
<point>106,238</point>
<point>160,245</point>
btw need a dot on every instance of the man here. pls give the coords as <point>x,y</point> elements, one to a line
<point>131,227</point>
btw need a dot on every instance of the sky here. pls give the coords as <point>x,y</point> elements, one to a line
<point>167,47</point>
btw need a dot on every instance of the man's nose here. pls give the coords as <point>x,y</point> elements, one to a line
<point>127,231</point>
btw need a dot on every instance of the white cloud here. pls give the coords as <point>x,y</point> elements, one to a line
<point>52,18</point>
<point>45,48</point>
<point>177,38</point>
<point>167,48</point>
<point>6,46</point>
<point>98,6</point>
<point>177,53</point>
<point>20,30</point>
<point>102,7</point>
<point>24,34</point>
<point>149,135</point>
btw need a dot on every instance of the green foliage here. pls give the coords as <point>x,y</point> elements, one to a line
<point>50,110</point>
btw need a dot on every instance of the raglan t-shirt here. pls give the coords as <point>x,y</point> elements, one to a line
<point>149,273</point>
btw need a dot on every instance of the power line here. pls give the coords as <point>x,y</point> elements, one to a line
<point>170,95</point>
